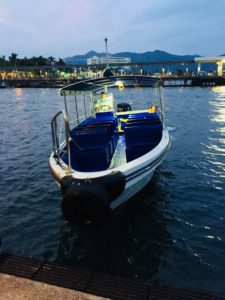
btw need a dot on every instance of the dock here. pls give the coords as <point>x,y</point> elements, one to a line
<point>24,278</point>
<point>168,81</point>
<point>200,81</point>
<point>36,83</point>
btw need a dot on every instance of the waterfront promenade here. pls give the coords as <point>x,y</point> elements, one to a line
<point>168,80</point>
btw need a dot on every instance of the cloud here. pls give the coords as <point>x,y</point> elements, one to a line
<point>4,18</point>
<point>63,28</point>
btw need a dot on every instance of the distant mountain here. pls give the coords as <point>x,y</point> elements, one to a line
<point>156,55</point>
<point>148,56</point>
<point>81,59</point>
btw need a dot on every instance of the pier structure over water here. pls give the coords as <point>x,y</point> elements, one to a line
<point>24,278</point>
<point>219,60</point>
<point>168,81</point>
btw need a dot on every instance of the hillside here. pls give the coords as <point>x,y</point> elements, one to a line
<point>148,56</point>
<point>156,55</point>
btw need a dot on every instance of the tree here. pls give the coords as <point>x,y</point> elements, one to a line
<point>3,61</point>
<point>51,60</point>
<point>61,62</point>
<point>42,61</point>
<point>13,59</point>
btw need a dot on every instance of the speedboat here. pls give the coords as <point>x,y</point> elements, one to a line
<point>104,153</point>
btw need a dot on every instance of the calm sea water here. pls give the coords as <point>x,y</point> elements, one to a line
<point>172,232</point>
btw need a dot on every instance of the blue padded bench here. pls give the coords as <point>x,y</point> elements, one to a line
<point>143,135</point>
<point>138,119</point>
<point>145,117</point>
<point>111,128</point>
<point>141,138</point>
<point>93,143</point>
<point>110,121</point>
<point>92,147</point>
<point>90,138</point>
<point>108,126</point>
<point>112,134</point>
<point>105,114</point>
<point>89,160</point>
<point>142,123</point>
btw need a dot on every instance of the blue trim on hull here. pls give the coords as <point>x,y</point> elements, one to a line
<point>146,168</point>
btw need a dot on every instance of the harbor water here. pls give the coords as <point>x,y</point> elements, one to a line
<point>171,233</point>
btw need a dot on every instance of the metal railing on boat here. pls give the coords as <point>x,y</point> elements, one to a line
<point>56,134</point>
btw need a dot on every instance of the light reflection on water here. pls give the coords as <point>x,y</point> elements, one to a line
<point>19,93</point>
<point>215,149</point>
<point>171,233</point>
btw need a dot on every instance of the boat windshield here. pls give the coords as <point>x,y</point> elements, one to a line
<point>103,102</point>
<point>89,97</point>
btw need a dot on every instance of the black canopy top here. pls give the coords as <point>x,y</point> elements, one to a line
<point>96,84</point>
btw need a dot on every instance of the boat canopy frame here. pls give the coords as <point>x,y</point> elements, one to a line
<point>96,84</point>
<point>90,87</point>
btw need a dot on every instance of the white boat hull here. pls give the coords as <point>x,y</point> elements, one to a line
<point>137,172</point>
<point>132,188</point>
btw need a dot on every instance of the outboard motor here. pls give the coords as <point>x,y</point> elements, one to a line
<point>123,107</point>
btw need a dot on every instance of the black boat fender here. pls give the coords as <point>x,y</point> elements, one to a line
<point>86,202</point>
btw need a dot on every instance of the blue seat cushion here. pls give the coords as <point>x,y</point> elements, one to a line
<point>105,114</point>
<point>91,139</point>
<point>89,160</point>
<point>143,135</point>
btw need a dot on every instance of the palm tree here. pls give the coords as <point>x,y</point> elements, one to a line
<point>51,60</point>
<point>3,61</point>
<point>12,59</point>
<point>42,61</point>
<point>61,62</point>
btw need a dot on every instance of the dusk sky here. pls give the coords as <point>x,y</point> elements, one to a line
<point>62,28</point>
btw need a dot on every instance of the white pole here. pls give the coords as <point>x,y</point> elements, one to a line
<point>106,52</point>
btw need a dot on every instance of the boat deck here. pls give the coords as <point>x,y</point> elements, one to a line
<point>119,157</point>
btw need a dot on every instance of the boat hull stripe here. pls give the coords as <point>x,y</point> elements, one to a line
<point>146,168</point>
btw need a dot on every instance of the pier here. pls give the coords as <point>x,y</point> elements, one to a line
<point>59,76</point>
<point>168,81</point>
<point>202,81</point>
<point>36,83</point>
<point>24,278</point>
